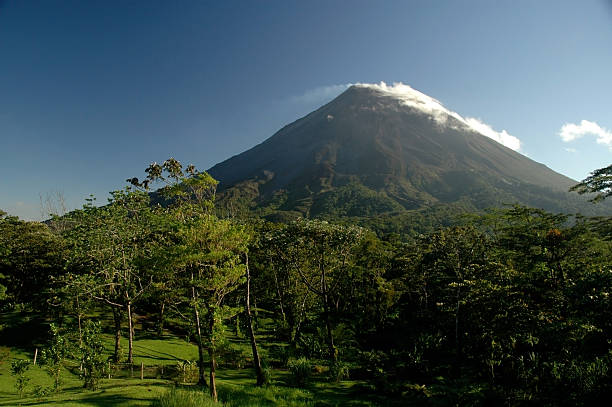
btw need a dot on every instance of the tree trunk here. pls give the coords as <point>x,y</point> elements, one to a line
<point>79,320</point>
<point>160,326</point>
<point>256,359</point>
<point>117,320</point>
<point>198,329</point>
<point>333,353</point>
<point>130,334</point>
<point>298,324</point>
<point>255,308</point>
<point>458,350</point>
<point>278,293</point>
<point>211,355</point>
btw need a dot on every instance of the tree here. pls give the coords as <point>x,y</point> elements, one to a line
<point>256,359</point>
<point>54,356</point>
<point>600,181</point>
<point>321,253</point>
<point>19,368</point>
<point>92,355</point>
<point>31,257</point>
<point>206,254</point>
<point>110,247</point>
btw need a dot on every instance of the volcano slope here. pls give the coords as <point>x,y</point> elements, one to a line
<point>378,152</point>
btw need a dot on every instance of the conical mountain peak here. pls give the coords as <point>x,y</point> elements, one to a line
<point>380,149</point>
<point>410,98</point>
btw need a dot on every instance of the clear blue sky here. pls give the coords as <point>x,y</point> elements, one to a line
<point>92,91</point>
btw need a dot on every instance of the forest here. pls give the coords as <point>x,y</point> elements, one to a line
<point>156,298</point>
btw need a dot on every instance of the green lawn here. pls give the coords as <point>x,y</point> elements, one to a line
<point>161,354</point>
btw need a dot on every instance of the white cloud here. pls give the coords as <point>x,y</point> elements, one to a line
<point>571,131</point>
<point>571,150</point>
<point>415,99</point>
<point>320,94</point>
<point>502,137</point>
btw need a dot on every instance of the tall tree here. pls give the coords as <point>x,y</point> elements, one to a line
<point>31,258</point>
<point>321,254</point>
<point>110,245</point>
<point>207,254</point>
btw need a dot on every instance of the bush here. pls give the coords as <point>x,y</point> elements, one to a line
<point>267,374</point>
<point>19,368</point>
<point>338,371</point>
<point>187,371</point>
<point>301,370</point>
<point>92,356</point>
<point>40,392</point>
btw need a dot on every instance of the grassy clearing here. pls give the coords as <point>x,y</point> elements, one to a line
<point>235,385</point>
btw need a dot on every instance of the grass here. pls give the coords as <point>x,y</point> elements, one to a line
<point>235,385</point>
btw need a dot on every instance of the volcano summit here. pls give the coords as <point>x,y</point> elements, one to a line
<point>380,150</point>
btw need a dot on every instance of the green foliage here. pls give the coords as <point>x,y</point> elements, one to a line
<point>92,356</point>
<point>187,371</point>
<point>55,354</point>
<point>266,372</point>
<point>338,371</point>
<point>319,256</point>
<point>354,199</point>
<point>40,392</point>
<point>31,258</point>
<point>507,308</point>
<point>18,369</point>
<point>238,396</point>
<point>599,181</point>
<point>497,306</point>
<point>301,370</point>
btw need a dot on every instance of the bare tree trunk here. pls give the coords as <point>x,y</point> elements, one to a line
<point>211,356</point>
<point>298,325</point>
<point>79,320</point>
<point>117,321</point>
<point>198,329</point>
<point>333,353</point>
<point>130,334</point>
<point>160,326</point>
<point>457,337</point>
<point>256,359</point>
<point>278,293</point>
<point>255,308</point>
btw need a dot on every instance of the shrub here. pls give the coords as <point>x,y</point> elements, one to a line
<point>92,355</point>
<point>40,392</point>
<point>301,370</point>
<point>54,356</point>
<point>267,374</point>
<point>338,371</point>
<point>19,369</point>
<point>187,371</point>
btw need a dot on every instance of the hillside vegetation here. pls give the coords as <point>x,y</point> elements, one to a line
<point>136,303</point>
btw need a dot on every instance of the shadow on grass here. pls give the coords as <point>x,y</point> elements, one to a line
<point>111,400</point>
<point>154,354</point>
<point>137,395</point>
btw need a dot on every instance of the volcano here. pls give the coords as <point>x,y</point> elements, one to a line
<point>379,150</point>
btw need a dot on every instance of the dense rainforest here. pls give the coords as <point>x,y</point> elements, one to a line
<point>509,307</point>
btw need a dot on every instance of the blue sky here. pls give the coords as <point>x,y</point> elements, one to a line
<point>91,92</point>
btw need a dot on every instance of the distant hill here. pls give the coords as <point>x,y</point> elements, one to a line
<point>376,151</point>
